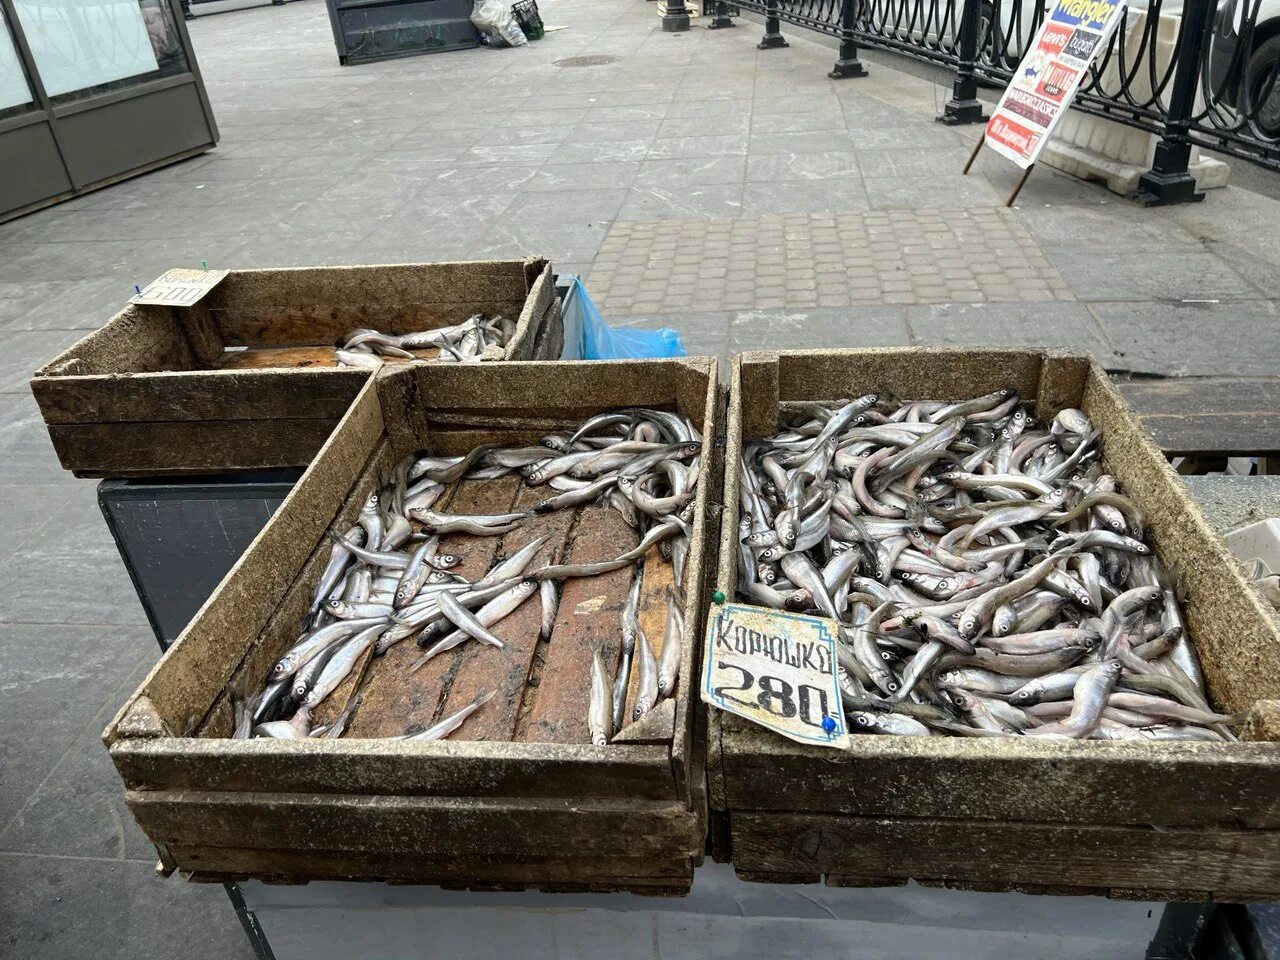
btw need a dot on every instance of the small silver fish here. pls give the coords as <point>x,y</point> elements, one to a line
<point>669,661</point>
<point>647,684</point>
<point>600,711</point>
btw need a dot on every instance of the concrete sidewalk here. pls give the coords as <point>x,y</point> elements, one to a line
<point>735,194</point>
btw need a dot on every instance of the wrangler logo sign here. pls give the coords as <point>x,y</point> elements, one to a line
<point>1049,75</point>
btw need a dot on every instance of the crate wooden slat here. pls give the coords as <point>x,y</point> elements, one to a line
<point>1171,820</point>
<point>1197,416</point>
<point>478,812</point>
<point>246,378</point>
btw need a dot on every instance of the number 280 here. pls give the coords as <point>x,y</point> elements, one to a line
<point>777,696</point>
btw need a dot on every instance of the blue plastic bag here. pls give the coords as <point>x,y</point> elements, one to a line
<point>588,337</point>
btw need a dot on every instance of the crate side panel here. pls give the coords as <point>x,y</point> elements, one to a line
<point>1226,862</point>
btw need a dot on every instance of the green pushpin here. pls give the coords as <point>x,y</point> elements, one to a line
<point>204,264</point>
<point>718,597</point>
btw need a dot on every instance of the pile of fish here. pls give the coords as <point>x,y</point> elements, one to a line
<point>465,342</point>
<point>387,580</point>
<point>988,576</point>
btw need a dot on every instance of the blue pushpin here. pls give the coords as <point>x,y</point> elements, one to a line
<point>137,290</point>
<point>829,724</point>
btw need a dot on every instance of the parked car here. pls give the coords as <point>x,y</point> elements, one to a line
<point>1248,80</point>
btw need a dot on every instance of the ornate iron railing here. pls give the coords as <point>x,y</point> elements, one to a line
<point>1194,72</point>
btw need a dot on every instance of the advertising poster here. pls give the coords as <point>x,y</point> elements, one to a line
<point>1073,33</point>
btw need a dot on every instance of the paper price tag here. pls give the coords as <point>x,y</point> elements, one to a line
<point>179,287</point>
<point>776,669</point>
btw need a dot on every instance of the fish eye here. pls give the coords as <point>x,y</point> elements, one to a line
<point>891,686</point>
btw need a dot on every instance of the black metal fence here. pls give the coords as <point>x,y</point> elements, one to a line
<point>1194,72</point>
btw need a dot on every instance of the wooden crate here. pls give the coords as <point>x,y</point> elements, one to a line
<point>532,804</point>
<point>246,379</point>
<point>1159,821</point>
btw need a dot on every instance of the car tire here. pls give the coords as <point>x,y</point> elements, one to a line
<point>1257,73</point>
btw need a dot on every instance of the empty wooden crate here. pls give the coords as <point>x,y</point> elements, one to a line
<point>527,800</point>
<point>247,378</point>
<point>1153,820</point>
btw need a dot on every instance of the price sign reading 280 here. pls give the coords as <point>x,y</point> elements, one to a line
<point>776,669</point>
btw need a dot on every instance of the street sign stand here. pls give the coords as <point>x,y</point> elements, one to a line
<point>1041,91</point>
<point>1022,180</point>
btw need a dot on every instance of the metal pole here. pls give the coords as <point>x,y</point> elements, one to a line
<point>722,18</point>
<point>974,156</point>
<point>963,107</point>
<point>675,16</point>
<point>772,32</point>
<point>847,63</point>
<point>1168,180</point>
<point>1022,180</point>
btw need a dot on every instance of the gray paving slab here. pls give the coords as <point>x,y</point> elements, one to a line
<point>1023,324</point>
<point>938,190</point>
<point>584,176</point>
<point>1233,502</point>
<point>1194,338</point>
<point>680,148</point>
<point>699,171</point>
<point>789,329</point>
<point>774,168</point>
<point>25,350</point>
<point>81,579</point>
<point>69,689</point>
<point>803,196</point>
<point>27,509</point>
<point>112,910</point>
<point>658,202</point>
<point>25,448</point>
<point>1153,276</point>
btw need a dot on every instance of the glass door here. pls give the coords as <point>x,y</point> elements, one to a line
<point>16,96</point>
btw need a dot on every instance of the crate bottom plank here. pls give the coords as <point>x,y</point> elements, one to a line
<point>394,701</point>
<point>1228,864</point>
<point>589,612</point>
<point>292,358</point>
<point>470,829</point>
<point>506,672</point>
<point>652,877</point>
<point>657,582</point>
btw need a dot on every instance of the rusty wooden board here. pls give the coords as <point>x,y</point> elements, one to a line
<point>394,701</point>
<point>646,876</point>
<point>654,590</point>
<point>589,612</point>
<point>506,672</point>
<point>266,358</point>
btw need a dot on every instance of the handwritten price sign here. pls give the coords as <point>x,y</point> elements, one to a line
<point>776,669</point>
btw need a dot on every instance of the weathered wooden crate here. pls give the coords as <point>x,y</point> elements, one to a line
<point>1158,821</point>
<point>246,378</point>
<point>527,800</point>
